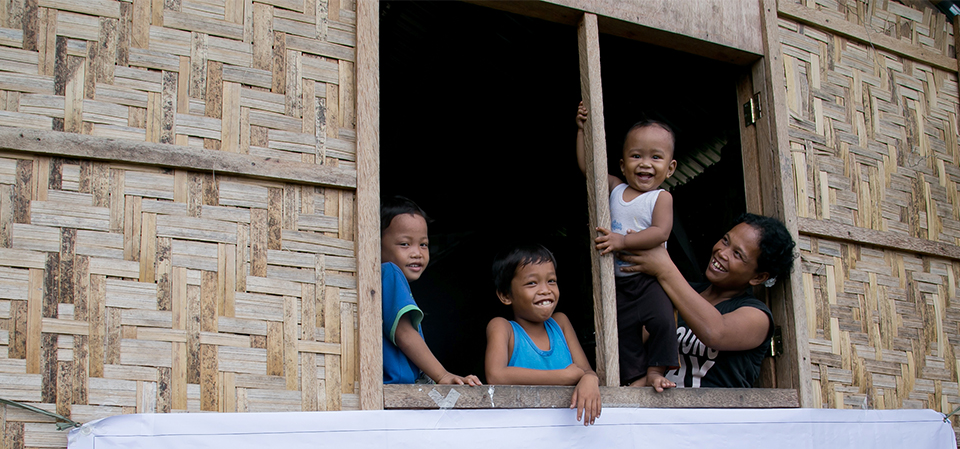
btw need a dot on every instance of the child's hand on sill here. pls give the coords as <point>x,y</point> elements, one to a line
<point>452,379</point>
<point>586,398</point>
<point>609,241</point>
<point>572,374</point>
<point>581,115</point>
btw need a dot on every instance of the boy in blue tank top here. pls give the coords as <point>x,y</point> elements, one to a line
<point>641,217</point>
<point>539,347</point>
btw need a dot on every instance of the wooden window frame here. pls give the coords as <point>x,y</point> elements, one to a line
<point>766,151</point>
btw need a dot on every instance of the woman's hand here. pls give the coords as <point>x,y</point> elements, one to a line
<point>653,261</point>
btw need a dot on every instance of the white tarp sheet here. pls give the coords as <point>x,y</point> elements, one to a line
<point>548,428</point>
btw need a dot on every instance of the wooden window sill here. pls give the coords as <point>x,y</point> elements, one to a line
<point>515,396</point>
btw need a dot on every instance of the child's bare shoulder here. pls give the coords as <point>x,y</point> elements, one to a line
<point>562,320</point>
<point>499,325</point>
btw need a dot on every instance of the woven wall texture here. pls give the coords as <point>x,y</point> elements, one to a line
<point>874,145</point>
<point>134,289</point>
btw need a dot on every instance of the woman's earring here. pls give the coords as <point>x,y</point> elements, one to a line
<point>769,282</point>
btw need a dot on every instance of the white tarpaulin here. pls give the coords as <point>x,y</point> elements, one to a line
<point>549,428</point>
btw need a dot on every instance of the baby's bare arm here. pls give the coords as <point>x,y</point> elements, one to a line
<point>660,227</point>
<point>582,113</point>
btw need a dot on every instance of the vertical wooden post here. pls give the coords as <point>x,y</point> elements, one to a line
<point>368,204</point>
<point>753,193</point>
<point>604,293</point>
<point>778,200</point>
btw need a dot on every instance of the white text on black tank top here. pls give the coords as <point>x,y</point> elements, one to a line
<point>690,348</point>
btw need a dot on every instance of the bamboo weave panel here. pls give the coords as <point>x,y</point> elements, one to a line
<point>874,144</point>
<point>883,327</point>
<point>127,289</point>
<point>928,29</point>
<point>268,79</point>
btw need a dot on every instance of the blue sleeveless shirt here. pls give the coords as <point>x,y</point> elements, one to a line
<point>526,354</point>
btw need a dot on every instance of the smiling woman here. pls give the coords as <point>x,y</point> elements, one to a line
<point>724,330</point>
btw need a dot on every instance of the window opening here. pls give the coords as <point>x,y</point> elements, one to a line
<point>477,126</point>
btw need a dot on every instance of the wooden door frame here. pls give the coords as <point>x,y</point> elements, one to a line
<point>769,188</point>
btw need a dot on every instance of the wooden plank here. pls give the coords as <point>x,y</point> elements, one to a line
<point>604,293</point>
<point>332,112</point>
<point>880,239</point>
<point>243,239</point>
<point>48,368</point>
<point>748,145</point>
<point>258,242</point>
<point>513,396</point>
<point>331,317</point>
<point>106,57</point>
<point>227,279</point>
<point>73,98</point>
<point>274,348</point>
<point>34,316</point>
<point>262,36</point>
<point>773,133</point>
<point>183,87</point>
<point>716,29</point>
<point>87,147</point>
<point>178,368</point>
<point>293,91</point>
<point>878,40</point>
<point>197,74</point>
<point>274,218</point>
<point>213,99</point>
<point>369,309</point>
<point>97,321</point>
<point>64,386</point>
<point>148,248</point>
<point>192,317</point>
<point>348,349</point>
<point>132,227</point>
<point>17,347</point>
<point>279,65</point>
<point>291,357</point>
<point>331,371</point>
<point>140,29</point>
<point>209,299</point>
<point>347,84</point>
<point>230,121</point>
<point>209,379</point>
<point>164,271</point>
<point>164,392</point>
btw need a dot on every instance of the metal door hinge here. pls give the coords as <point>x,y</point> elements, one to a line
<point>776,342</point>
<point>751,110</point>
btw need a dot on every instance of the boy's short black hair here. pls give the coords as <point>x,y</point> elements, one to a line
<point>398,205</point>
<point>652,122</point>
<point>506,263</point>
<point>776,245</point>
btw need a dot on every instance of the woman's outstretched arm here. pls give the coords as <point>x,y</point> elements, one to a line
<point>742,329</point>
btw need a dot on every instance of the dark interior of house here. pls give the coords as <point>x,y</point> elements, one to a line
<point>477,126</point>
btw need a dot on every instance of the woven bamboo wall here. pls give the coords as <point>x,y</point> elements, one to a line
<point>874,145</point>
<point>129,288</point>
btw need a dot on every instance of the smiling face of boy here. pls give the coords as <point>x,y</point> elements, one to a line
<point>533,293</point>
<point>405,243</point>
<point>647,158</point>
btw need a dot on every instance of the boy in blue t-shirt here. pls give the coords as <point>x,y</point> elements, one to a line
<point>405,253</point>
<point>538,347</point>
